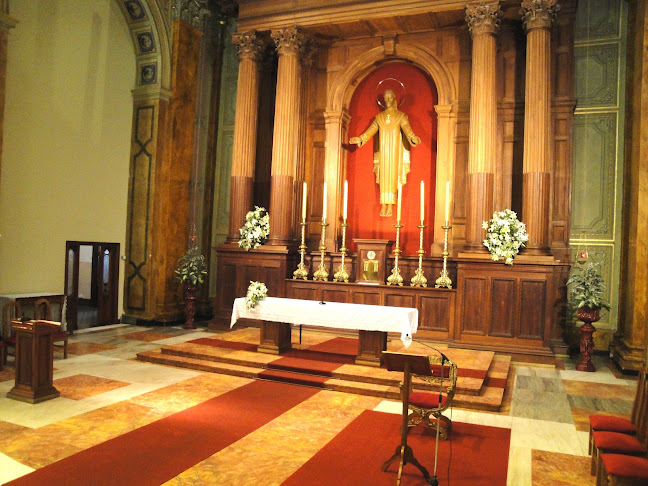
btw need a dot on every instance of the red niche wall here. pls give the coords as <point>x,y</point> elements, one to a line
<point>364,202</point>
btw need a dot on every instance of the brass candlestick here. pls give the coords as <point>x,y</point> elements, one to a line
<point>341,275</point>
<point>444,280</point>
<point>322,273</point>
<point>418,280</point>
<point>395,277</point>
<point>301,271</point>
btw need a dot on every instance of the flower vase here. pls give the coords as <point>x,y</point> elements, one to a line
<point>587,315</point>
<point>190,292</point>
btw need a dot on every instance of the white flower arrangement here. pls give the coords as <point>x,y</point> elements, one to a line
<point>506,235</point>
<point>256,229</point>
<point>256,292</point>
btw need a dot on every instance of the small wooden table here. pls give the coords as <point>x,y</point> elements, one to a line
<point>373,322</point>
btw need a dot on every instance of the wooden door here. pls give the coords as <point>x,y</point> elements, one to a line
<point>107,283</point>
<point>72,284</point>
<point>104,282</point>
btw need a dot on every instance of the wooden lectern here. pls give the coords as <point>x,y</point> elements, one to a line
<point>407,363</point>
<point>34,361</point>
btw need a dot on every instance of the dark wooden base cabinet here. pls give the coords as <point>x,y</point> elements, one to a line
<point>517,308</point>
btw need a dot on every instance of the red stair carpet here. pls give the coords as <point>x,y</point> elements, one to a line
<point>355,456</point>
<point>157,452</point>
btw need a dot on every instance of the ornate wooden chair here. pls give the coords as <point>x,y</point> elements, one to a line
<point>43,311</point>
<point>607,443</point>
<point>428,402</point>
<point>11,310</point>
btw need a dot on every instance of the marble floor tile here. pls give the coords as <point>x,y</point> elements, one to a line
<point>11,469</point>
<point>554,469</point>
<point>519,466</point>
<point>546,408</point>
<point>600,404</point>
<point>549,406</point>
<point>78,387</point>
<point>548,436</point>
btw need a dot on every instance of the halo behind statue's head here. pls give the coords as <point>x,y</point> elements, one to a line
<point>393,85</point>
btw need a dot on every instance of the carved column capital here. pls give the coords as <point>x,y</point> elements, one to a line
<point>539,14</point>
<point>247,45</point>
<point>289,40</point>
<point>483,18</point>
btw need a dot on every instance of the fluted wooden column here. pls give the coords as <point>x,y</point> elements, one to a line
<point>483,21</point>
<point>284,146</point>
<point>245,131</point>
<point>536,178</point>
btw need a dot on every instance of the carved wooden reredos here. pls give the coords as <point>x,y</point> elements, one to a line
<point>451,42</point>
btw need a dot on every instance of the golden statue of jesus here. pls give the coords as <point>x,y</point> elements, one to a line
<point>391,161</point>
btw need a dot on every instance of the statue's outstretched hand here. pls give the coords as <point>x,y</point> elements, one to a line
<point>414,141</point>
<point>356,140</point>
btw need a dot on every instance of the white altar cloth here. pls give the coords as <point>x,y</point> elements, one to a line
<point>331,314</point>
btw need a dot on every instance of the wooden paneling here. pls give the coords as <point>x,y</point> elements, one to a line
<point>436,306</point>
<point>533,301</point>
<point>366,295</point>
<point>503,307</point>
<point>510,307</point>
<point>437,314</point>
<point>475,314</point>
<point>400,300</point>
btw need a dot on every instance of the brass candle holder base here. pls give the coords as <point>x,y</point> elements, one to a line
<point>321,273</point>
<point>395,278</point>
<point>418,280</point>
<point>342,275</point>
<point>301,272</point>
<point>444,279</point>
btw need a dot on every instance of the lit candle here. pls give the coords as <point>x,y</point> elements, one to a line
<point>346,200</point>
<point>398,210</point>
<point>304,202</point>
<point>324,205</point>
<point>447,203</point>
<point>422,202</point>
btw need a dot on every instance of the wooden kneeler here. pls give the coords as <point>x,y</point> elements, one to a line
<point>419,365</point>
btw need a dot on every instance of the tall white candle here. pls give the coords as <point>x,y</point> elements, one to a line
<point>346,200</point>
<point>304,202</point>
<point>422,202</point>
<point>324,205</point>
<point>398,210</point>
<point>447,203</point>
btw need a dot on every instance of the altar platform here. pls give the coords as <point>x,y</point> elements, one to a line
<point>326,360</point>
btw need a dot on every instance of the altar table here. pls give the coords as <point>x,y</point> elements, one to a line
<point>373,322</point>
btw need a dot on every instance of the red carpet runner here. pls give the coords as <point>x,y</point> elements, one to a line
<point>156,453</point>
<point>356,455</point>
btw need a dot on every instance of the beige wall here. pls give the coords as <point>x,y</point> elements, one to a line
<point>66,137</point>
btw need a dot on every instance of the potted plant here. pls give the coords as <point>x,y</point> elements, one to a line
<point>587,287</point>
<point>191,273</point>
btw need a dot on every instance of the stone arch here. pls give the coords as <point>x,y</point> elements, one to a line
<point>151,43</point>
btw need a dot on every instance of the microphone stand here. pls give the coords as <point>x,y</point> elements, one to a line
<point>435,480</point>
